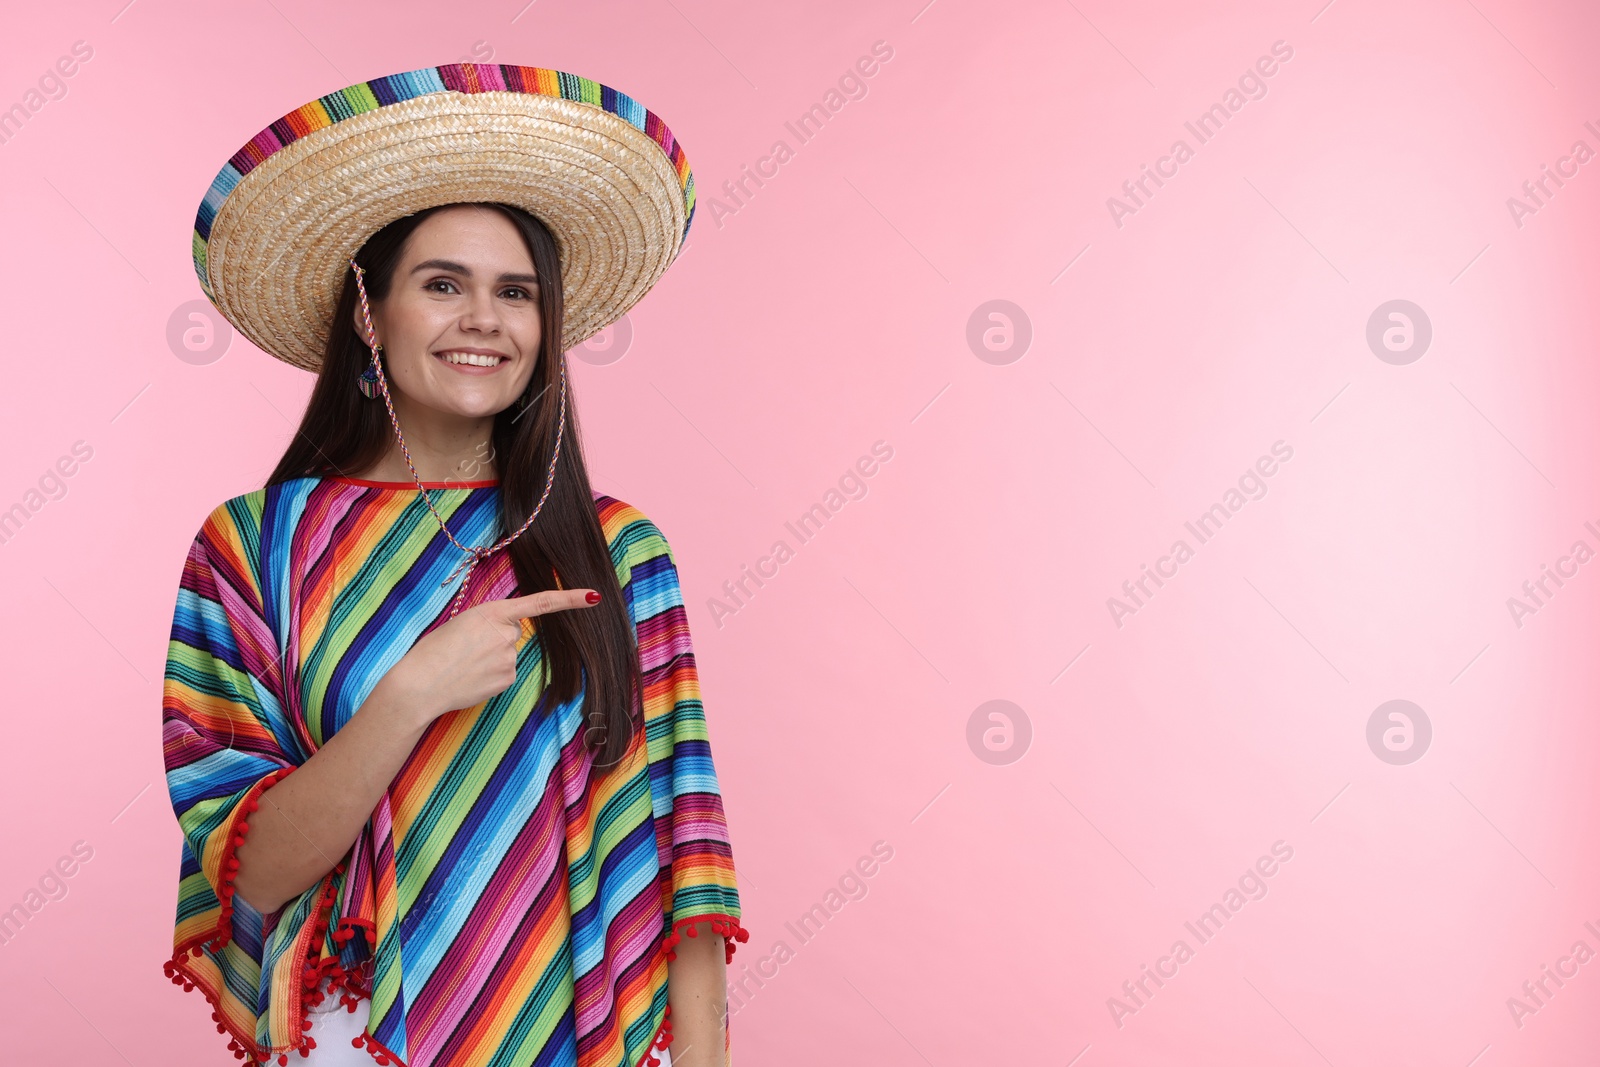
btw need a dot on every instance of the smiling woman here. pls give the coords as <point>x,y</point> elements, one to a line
<point>435,760</point>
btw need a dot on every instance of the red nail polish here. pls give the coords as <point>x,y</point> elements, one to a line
<point>592,597</point>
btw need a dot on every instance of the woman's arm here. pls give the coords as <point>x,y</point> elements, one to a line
<point>697,989</point>
<point>307,821</point>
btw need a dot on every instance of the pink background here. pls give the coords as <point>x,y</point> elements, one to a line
<point>830,311</point>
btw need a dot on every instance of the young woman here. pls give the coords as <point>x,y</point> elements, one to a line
<point>431,718</point>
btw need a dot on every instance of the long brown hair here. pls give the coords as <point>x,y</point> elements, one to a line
<point>343,431</point>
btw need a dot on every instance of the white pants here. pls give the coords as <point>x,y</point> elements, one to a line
<point>335,1027</point>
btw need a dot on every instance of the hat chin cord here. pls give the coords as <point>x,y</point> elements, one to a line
<point>475,553</point>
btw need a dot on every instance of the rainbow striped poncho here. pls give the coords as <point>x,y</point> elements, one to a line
<point>506,903</point>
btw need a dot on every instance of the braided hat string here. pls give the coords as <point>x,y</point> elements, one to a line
<point>475,553</point>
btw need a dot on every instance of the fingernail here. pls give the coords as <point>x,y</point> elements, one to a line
<point>592,597</point>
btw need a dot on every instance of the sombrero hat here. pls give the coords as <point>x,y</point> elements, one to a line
<point>276,230</point>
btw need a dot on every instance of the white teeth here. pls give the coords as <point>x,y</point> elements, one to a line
<point>469,358</point>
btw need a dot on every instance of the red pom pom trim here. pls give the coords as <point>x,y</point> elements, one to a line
<point>228,869</point>
<point>350,985</point>
<point>724,925</point>
<point>662,1039</point>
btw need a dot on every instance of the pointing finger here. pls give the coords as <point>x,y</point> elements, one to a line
<point>546,601</point>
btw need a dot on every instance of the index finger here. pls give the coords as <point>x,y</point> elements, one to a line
<point>544,602</point>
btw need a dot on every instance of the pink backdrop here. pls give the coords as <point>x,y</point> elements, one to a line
<point>1067,774</point>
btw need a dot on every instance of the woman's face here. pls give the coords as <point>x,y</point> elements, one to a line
<point>460,327</point>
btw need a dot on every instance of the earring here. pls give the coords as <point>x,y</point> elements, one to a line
<point>369,381</point>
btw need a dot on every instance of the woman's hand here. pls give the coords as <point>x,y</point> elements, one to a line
<point>470,658</point>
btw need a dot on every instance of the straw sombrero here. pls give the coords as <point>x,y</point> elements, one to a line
<point>275,231</point>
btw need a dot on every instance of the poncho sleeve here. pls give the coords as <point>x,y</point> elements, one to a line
<point>698,883</point>
<point>225,740</point>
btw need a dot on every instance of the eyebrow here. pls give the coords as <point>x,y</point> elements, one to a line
<point>466,272</point>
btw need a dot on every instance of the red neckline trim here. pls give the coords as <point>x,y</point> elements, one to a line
<point>482,484</point>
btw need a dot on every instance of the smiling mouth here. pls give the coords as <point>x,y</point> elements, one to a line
<point>470,359</point>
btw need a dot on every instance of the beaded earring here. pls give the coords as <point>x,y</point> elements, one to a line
<point>369,378</point>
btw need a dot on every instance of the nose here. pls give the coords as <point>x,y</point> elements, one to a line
<point>480,314</point>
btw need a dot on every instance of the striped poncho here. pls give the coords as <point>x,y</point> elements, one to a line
<point>506,903</point>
